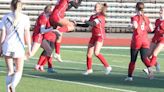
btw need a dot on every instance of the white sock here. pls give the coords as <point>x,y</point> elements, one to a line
<point>16,79</point>
<point>8,82</point>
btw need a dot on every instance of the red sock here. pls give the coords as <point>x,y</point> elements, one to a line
<point>57,47</point>
<point>89,63</point>
<point>131,69</point>
<point>44,62</point>
<point>153,60</point>
<point>147,62</point>
<point>50,62</point>
<point>41,60</point>
<point>103,60</point>
<point>63,29</point>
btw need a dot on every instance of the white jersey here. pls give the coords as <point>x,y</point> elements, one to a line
<point>14,43</point>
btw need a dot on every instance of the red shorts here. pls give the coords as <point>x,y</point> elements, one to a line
<point>140,44</point>
<point>157,39</point>
<point>93,40</point>
<point>55,17</point>
<point>37,38</point>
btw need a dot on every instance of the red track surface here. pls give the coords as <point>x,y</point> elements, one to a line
<point>107,42</point>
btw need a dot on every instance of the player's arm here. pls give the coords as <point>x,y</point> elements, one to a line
<point>44,30</point>
<point>27,35</point>
<point>134,24</point>
<point>2,35</point>
<point>90,23</point>
<point>74,4</point>
<point>151,29</point>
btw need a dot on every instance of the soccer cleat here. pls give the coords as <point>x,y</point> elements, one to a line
<point>37,67</point>
<point>108,70</point>
<point>157,67</point>
<point>146,71</point>
<point>58,57</point>
<point>129,79</point>
<point>41,69</point>
<point>88,72</point>
<point>51,70</point>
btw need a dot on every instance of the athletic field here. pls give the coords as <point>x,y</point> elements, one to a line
<point>69,76</point>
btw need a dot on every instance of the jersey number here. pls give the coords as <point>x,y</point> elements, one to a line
<point>142,26</point>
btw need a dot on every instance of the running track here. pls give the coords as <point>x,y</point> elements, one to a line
<point>113,39</point>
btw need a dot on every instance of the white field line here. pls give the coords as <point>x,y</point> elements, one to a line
<point>104,47</point>
<point>78,83</point>
<point>102,53</point>
<point>74,62</point>
<point>102,70</point>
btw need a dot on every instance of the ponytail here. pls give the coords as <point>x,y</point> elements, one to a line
<point>14,7</point>
<point>140,8</point>
<point>47,8</point>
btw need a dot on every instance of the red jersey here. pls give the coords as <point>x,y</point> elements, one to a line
<point>143,27</point>
<point>61,8</point>
<point>43,20</point>
<point>99,29</point>
<point>140,35</point>
<point>159,31</point>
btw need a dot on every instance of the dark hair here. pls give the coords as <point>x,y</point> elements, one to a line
<point>14,4</point>
<point>46,9</point>
<point>140,6</point>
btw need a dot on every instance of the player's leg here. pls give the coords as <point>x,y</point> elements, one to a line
<point>66,25</point>
<point>46,46</point>
<point>89,59</point>
<point>41,61</point>
<point>157,50</point>
<point>133,55</point>
<point>10,73</point>
<point>19,62</point>
<point>57,48</point>
<point>50,64</point>
<point>146,61</point>
<point>35,47</point>
<point>97,53</point>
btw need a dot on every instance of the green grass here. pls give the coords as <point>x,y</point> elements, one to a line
<point>73,67</point>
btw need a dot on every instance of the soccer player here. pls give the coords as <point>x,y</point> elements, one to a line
<point>48,38</point>
<point>141,26</point>
<point>57,19</point>
<point>42,24</point>
<point>97,22</point>
<point>15,33</point>
<point>158,39</point>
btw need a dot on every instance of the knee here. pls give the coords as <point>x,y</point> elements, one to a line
<point>58,39</point>
<point>96,53</point>
<point>89,55</point>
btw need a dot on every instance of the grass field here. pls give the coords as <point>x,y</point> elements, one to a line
<point>69,76</point>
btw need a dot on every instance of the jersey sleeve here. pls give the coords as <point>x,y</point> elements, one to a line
<point>133,19</point>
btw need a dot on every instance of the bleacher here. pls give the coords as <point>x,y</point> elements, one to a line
<point>118,15</point>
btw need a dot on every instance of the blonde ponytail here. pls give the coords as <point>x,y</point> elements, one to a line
<point>15,4</point>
